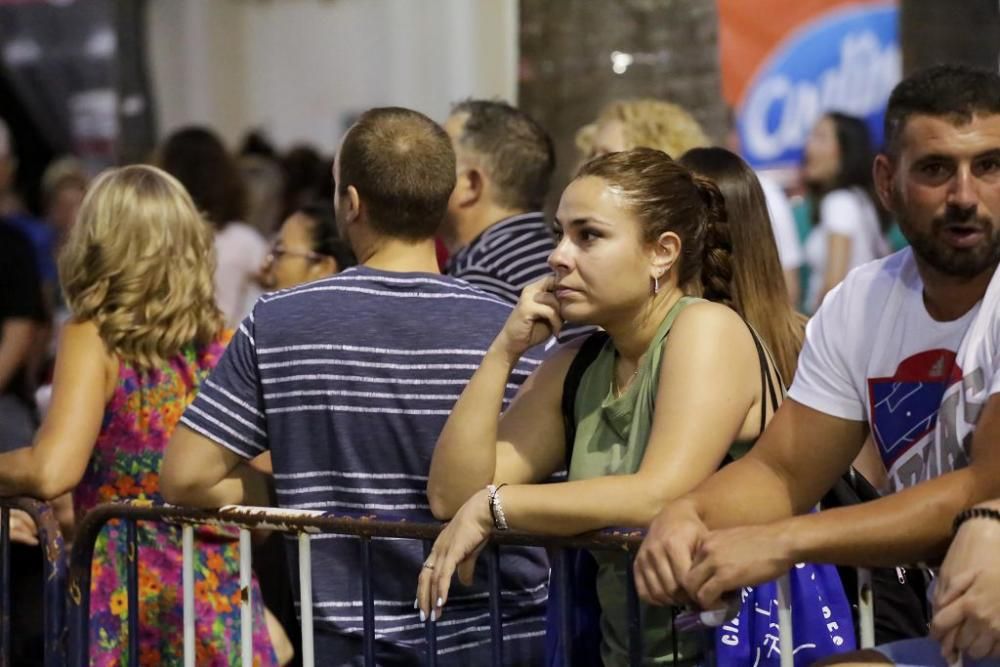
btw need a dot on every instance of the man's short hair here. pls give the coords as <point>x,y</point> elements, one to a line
<point>517,152</point>
<point>954,91</point>
<point>403,167</point>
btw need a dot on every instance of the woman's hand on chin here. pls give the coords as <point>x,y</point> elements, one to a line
<point>534,320</point>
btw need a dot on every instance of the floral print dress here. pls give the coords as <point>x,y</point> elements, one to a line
<point>125,465</point>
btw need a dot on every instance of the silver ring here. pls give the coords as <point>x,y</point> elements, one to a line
<point>428,566</point>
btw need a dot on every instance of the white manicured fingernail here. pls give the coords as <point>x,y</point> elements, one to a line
<point>416,602</point>
<point>440,603</point>
<point>423,616</point>
<point>433,616</point>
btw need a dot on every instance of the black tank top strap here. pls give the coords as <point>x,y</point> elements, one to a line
<point>767,389</point>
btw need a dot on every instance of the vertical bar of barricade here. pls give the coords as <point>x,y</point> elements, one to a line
<point>367,601</point>
<point>187,546</point>
<point>567,625</point>
<point>53,581</point>
<point>711,659</point>
<point>786,641</point>
<point>132,587</point>
<point>5,649</point>
<point>634,619</point>
<point>866,609</point>
<point>496,614</point>
<point>78,595</point>
<point>306,599</point>
<point>246,599</point>
<point>430,628</point>
<point>54,624</point>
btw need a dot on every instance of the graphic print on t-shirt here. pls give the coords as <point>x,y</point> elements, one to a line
<point>905,407</point>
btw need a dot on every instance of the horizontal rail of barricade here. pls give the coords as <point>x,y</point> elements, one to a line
<point>307,523</point>
<point>53,554</point>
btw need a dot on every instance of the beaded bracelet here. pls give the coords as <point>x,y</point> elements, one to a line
<point>974,513</point>
<point>496,507</point>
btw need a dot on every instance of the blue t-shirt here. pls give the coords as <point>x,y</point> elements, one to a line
<point>43,242</point>
<point>348,381</point>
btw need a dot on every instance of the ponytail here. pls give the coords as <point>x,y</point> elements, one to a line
<point>717,252</point>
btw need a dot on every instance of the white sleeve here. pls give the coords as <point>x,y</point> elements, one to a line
<point>995,382</point>
<point>841,212</point>
<point>825,378</point>
<point>993,374</point>
<point>786,235</point>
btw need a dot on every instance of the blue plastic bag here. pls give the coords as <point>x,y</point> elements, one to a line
<point>822,624</point>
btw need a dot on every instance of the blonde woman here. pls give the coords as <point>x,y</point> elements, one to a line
<point>645,122</point>
<point>137,276</point>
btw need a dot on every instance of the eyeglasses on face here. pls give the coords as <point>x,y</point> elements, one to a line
<point>277,252</point>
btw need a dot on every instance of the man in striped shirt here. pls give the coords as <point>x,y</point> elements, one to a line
<point>347,382</point>
<point>495,228</point>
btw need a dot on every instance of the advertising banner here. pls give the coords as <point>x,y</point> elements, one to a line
<point>786,62</point>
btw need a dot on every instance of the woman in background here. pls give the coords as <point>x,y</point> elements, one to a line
<point>136,271</point>
<point>758,283</point>
<point>848,226</point>
<point>308,248</point>
<point>197,158</point>
<point>644,122</point>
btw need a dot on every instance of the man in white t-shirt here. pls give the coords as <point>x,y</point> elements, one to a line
<point>907,348</point>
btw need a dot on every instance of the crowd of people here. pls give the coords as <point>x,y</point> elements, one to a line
<point>405,332</point>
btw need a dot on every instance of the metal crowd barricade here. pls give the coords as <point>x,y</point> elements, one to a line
<point>53,582</point>
<point>305,524</point>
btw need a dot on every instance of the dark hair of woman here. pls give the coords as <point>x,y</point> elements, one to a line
<point>326,239</point>
<point>760,295</point>
<point>856,156</point>
<point>197,158</point>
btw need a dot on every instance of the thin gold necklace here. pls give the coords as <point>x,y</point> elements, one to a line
<point>617,391</point>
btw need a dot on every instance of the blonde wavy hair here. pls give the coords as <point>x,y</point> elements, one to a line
<point>139,263</point>
<point>647,123</point>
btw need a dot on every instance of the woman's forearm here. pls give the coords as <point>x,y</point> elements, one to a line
<point>464,458</point>
<point>571,508</point>
<point>20,474</point>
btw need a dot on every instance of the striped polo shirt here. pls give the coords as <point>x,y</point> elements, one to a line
<point>506,257</point>
<point>348,381</point>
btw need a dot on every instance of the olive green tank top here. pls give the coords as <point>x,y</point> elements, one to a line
<point>611,437</point>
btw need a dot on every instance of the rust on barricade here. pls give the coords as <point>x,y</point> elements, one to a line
<point>55,567</point>
<point>306,521</point>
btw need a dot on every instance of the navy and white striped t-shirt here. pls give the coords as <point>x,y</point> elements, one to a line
<point>348,381</point>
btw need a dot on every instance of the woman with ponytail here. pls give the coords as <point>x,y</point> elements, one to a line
<point>653,408</point>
